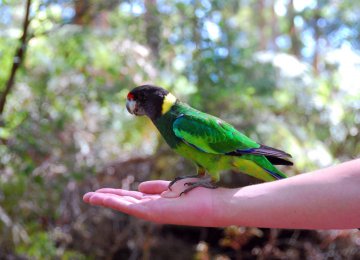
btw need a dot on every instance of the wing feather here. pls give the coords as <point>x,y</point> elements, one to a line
<point>212,135</point>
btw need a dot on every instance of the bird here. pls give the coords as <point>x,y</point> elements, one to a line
<point>211,143</point>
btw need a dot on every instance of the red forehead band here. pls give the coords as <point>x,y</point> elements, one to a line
<point>130,96</point>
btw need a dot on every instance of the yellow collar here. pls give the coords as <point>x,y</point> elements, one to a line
<point>169,101</point>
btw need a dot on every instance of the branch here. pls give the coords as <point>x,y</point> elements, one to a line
<point>18,59</point>
<point>47,32</point>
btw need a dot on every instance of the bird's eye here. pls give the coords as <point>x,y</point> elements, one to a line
<point>142,98</point>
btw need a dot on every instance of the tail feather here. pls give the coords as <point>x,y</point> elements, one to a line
<point>258,167</point>
<point>275,156</point>
<point>278,176</point>
<point>267,150</point>
<point>279,161</point>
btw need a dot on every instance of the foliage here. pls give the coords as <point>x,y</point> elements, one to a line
<point>284,72</point>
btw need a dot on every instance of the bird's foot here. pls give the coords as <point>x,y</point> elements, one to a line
<point>181,178</point>
<point>202,182</point>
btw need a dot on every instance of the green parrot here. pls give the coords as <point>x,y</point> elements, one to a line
<point>211,143</point>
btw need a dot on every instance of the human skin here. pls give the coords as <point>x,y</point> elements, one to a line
<point>324,199</point>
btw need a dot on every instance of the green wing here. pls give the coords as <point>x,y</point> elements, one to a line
<point>210,134</point>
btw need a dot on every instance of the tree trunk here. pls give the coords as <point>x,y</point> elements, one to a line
<point>295,41</point>
<point>274,27</point>
<point>317,36</point>
<point>17,61</point>
<point>261,24</point>
<point>152,27</point>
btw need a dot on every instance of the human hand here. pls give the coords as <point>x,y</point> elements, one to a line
<point>154,202</point>
<point>324,199</point>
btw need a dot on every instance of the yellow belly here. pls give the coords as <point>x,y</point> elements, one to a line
<point>216,163</point>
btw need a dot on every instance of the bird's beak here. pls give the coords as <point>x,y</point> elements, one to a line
<point>131,106</point>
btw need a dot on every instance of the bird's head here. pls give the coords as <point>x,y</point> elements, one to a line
<point>149,100</point>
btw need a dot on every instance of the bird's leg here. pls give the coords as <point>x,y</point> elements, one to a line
<point>205,182</point>
<point>200,173</point>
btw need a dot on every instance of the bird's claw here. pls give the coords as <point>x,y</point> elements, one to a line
<point>201,183</point>
<point>180,178</point>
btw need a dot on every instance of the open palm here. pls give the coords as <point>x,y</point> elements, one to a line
<point>154,202</point>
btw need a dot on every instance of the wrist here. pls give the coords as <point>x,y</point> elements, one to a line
<point>225,205</point>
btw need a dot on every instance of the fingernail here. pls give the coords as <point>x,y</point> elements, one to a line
<point>87,196</point>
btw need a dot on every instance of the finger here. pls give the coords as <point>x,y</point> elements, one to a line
<point>130,199</point>
<point>107,200</point>
<point>170,194</point>
<point>123,204</point>
<point>153,187</point>
<point>121,192</point>
<point>87,196</point>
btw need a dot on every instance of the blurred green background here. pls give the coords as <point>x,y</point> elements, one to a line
<point>285,72</point>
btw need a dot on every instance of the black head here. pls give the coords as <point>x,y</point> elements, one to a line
<point>146,100</point>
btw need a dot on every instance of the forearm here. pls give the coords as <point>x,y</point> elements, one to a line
<point>324,199</point>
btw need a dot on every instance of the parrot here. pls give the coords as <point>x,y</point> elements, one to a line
<point>211,143</point>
